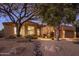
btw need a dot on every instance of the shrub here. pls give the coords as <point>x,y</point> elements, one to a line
<point>44,35</point>
<point>11,37</point>
<point>52,34</point>
<point>76,42</point>
<point>1,35</point>
<point>34,37</point>
<point>30,37</point>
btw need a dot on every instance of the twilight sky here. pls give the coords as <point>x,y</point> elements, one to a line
<point>5,20</point>
<point>1,21</point>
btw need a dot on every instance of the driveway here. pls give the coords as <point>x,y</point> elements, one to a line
<point>39,48</point>
<point>59,48</point>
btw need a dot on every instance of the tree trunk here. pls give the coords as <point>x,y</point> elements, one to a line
<point>57,33</point>
<point>18,29</point>
<point>18,32</point>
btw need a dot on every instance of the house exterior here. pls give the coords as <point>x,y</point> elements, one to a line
<point>28,28</point>
<point>32,28</point>
<point>66,32</point>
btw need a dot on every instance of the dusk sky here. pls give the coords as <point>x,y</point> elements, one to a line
<point>1,21</point>
<point>5,20</point>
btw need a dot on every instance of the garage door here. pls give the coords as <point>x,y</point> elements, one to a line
<point>69,34</point>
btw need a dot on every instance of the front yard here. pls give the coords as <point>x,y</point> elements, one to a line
<point>38,48</point>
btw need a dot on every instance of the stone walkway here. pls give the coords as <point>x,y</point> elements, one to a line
<point>37,50</point>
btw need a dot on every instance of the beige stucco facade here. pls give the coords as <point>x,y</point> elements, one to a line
<point>65,31</point>
<point>30,28</point>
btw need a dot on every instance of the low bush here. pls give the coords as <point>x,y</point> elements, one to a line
<point>34,37</point>
<point>76,42</point>
<point>1,36</point>
<point>52,38</point>
<point>30,37</point>
<point>44,35</point>
<point>11,37</point>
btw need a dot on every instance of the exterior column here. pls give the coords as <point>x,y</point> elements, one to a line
<point>22,32</point>
<point>40,32</point>
<point>75,34</point>
<point>35,30</point>
<point>63,34</point>
<point>26,30</point>
<point>54,34</point>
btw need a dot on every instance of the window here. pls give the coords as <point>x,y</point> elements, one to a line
<point>31,30</point>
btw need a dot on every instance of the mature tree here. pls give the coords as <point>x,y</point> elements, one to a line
<point>18,13</point>
<point>77,23</point>
<point>56,14</point>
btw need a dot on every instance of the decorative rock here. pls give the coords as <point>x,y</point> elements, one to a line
<point>37,51</point>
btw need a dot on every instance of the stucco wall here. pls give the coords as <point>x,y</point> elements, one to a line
<point>27,24</point>
<point>45,31</point>
<point>65,32</point>
<point>8,29</point>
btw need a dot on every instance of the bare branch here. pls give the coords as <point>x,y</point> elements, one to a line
<point>10,10</point>
<point>24,8</point>
<point>30,16</point>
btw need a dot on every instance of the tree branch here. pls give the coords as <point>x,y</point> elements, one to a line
<point>10,10</point>
<point>5,11</point>
<point>29,17</point>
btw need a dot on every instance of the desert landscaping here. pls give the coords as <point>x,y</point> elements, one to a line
<point>32,29</point>
<point>36,47</point>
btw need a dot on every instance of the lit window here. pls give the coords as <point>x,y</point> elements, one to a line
<point>14,30</point>
<point>30,30</point>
